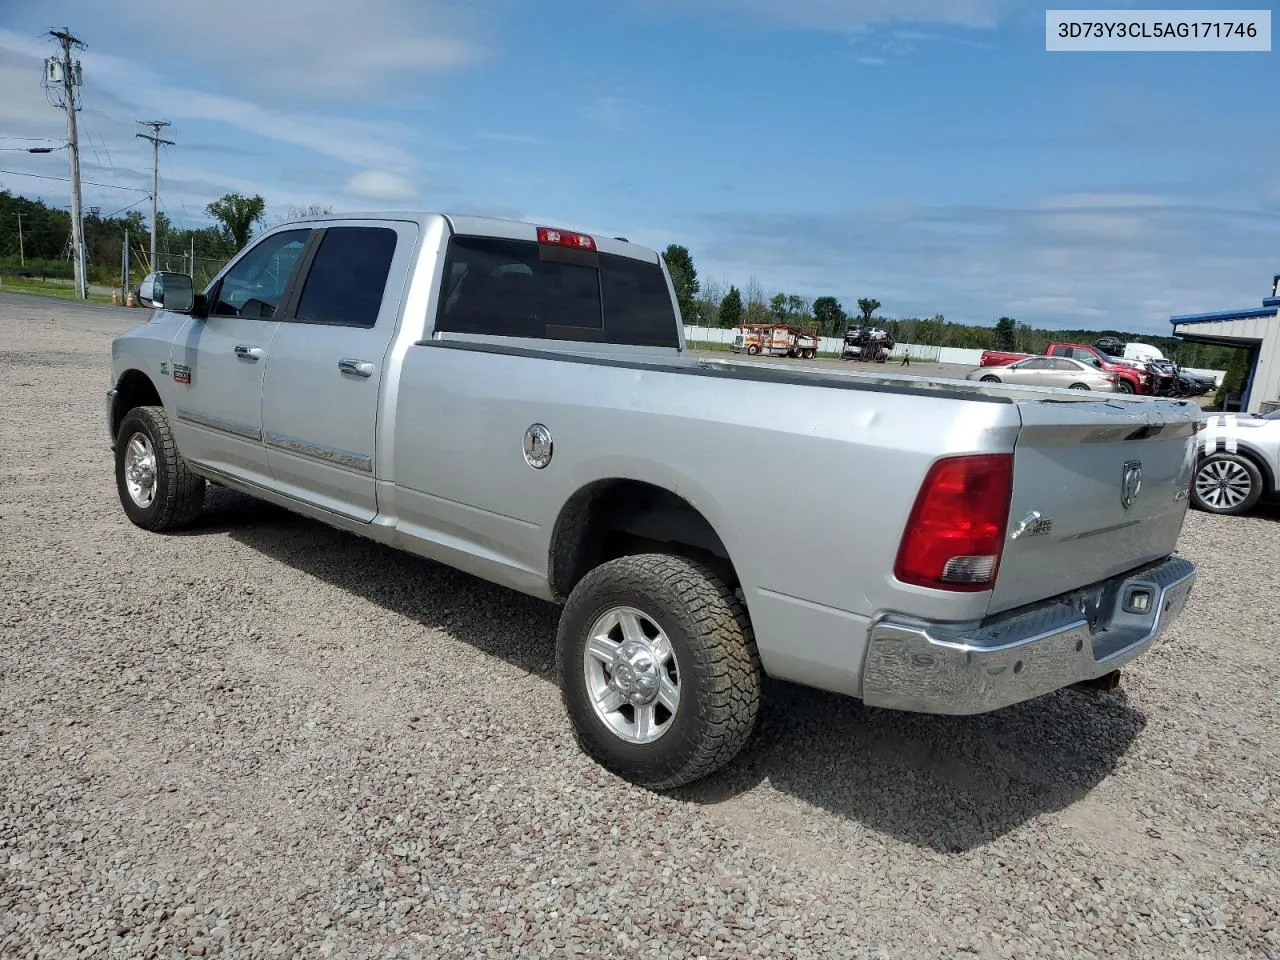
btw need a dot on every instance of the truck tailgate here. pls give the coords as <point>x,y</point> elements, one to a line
<point>1099,487</point>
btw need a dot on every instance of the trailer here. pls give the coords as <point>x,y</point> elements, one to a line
<point>776,340</point>
<point>862,342</point>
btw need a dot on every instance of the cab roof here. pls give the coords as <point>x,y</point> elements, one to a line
<point>475,225</point>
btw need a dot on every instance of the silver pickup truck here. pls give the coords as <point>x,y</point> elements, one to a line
<point>516,401</point>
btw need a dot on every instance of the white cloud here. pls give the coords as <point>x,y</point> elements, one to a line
<point>846,15</point>
<point>300,49</point>
<point>117,92</point>
<point>380,185</point>
<point>1102,259</point>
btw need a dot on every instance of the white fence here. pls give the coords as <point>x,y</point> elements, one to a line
<point>918,351</point>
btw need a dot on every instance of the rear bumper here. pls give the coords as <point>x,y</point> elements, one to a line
<point>964,669</point>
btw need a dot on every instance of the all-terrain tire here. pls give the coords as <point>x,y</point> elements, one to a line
<point>179,493</point>
<point>714,651</point>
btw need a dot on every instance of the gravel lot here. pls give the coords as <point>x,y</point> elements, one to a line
<point>264,738</point>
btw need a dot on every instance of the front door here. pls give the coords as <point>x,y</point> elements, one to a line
<point>219,361</point>
<point>321,391</point>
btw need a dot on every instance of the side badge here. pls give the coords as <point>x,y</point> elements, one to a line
<point>181,373</point>
<point>1032,525</point>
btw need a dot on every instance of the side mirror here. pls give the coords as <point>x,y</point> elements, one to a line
<point>167,291</point>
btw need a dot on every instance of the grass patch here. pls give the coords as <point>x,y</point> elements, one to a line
<point>48,288</point>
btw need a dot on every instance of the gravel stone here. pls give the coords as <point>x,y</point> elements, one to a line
<point>263,738</point>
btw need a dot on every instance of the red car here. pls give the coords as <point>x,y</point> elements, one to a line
<point>1132,379</point>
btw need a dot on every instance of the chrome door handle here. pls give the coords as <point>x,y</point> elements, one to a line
<point>248,353</point>
<point>357,368</point>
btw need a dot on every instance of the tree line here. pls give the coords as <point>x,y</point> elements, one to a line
<point>203,251</point>
<point>712,303</point>
<point>36,237</point>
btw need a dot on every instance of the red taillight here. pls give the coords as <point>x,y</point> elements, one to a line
<point>955,535</point>
<point>565,238</point>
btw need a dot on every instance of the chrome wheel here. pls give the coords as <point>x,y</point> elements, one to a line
<point>1223,484</point>
<point>140,470</point>
<point>631,675</point>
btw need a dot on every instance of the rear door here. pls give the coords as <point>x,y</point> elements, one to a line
<point>320,395</point>
<point>1061,372</point>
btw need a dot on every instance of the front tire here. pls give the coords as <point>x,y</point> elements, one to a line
<point>752,350</point>
<point>658,669</point>
<point>1124,386</point>
<point>1079,386</point>
<point>1226,484</point>
<point>990,379</point>
<point>156,486</point>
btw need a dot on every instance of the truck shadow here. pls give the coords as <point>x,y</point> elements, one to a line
<point>945,783</point>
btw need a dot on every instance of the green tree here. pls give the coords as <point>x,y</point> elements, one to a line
<point>731,308</point>
<point>684,278</point>
<point>868,306</point>
<point>1233,380</point>
<point>1005,334</point>
<point>236,216</point>
<point>778,307</point>
<point>829,314</point>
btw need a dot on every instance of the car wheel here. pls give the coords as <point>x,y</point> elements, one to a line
<point>1124,386</point>
<point>157,489</point>
<point>1226,483</point>
<point>1079,386</point>
<point>990,379</point>
<point>752,350</point>
<point>658,669</point>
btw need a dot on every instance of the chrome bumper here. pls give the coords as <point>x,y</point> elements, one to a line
<point>964,669</point>
<point>111,415</point>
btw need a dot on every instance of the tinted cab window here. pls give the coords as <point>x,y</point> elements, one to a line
<point>347,277</point>
<point>519,288</point>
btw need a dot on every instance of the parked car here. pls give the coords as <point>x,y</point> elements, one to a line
<point>1134,378</point>
<point>1049,372</point>
<point>1238,462</point>
<point>516,401</point>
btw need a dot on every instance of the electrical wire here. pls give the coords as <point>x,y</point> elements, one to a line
<point>92,183</point>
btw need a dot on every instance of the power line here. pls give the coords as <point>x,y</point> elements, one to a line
<point>123,209</point>
<point>92,183</point>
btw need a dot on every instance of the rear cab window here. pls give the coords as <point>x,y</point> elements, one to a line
<point>520,288</point>
<point>348,277</point>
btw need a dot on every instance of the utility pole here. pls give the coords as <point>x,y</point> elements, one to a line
<point>70,78</point>
<point>22,257</point>
<point>154,136</point>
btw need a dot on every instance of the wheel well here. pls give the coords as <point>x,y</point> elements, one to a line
<point>615,518</point>
<point>135,389</point>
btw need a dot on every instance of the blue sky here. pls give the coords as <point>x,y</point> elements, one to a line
<point>927,153</point>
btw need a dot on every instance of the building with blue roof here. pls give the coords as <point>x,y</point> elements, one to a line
<point>1256,329</point>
